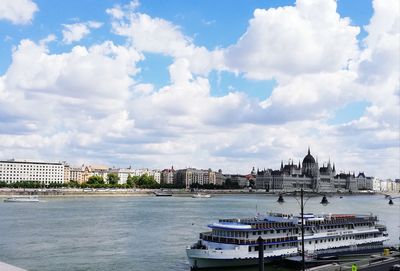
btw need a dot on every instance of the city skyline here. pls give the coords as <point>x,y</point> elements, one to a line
<point>227,85</point>
<point>254,171</point>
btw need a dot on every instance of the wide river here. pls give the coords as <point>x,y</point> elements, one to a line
<point>142,233</point>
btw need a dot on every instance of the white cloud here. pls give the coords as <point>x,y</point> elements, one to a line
<point>156,35</point>
<point>308,38</point>
<point>75,32</point>
<point>18,11</point>
<point>70,99</point>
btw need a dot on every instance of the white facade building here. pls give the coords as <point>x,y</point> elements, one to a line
<point>149,172</point>
<point>376,184</point>
<point>123,174</point>
<point>156,175</point>
<point>12,171</point>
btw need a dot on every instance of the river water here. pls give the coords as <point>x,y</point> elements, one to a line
<point>142,233</point>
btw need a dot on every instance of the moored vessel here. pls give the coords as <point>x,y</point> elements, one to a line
<point>22,199</point>
<point>201,195</point>
<point>233,242</point>
<point>162,194</point>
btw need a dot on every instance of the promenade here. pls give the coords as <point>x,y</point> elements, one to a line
<point>376,262</point>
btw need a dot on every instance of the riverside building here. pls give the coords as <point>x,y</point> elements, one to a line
<point>189,176</point>
<point>309,176</point>
<point>168,175</point>
<point>12,171</point>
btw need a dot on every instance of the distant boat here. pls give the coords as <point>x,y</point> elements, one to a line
<point>162,194</point>
<point>200,195</point>
<point>22,199</point>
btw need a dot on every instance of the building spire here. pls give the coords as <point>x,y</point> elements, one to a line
<point>281,165</point>
<point>309,150</point>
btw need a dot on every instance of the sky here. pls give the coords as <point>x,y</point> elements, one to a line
<point>223,84</point>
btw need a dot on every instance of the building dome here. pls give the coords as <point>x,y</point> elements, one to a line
<point>309,159</point>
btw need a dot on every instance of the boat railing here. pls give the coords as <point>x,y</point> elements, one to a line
<point>207,236</point>
<point>381,227</point>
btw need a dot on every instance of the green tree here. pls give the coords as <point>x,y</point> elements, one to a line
<point>146,181</point>
<point>112,178</point>
<point>95,180</point>
<point>129,181</point>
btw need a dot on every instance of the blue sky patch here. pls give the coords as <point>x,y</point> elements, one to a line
<point>349,112</point>
<point>224,82</point>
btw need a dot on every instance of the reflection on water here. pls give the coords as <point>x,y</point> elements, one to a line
<point>142,233</point>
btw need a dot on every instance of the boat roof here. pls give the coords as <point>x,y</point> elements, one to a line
<point>229,226</point>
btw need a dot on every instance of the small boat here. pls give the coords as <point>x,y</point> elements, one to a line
<point>22,199</point>
<point>201,195</point>
<point>162,194</point>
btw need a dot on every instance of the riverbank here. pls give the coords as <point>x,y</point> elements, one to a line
<point>89,192</point>
<point>5,192</point>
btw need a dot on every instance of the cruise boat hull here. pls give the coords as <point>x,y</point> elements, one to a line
<point>198,196</point>
<point>197,264</point>
<point>163,194</point>
<point>22,199</point>
<point>201,263</point>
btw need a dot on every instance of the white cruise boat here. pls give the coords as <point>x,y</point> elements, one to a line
<point>233,242</point>
<point>22,199</point>
<point>201,195</point>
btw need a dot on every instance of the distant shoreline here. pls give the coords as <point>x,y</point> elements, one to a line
<point>53,193</point>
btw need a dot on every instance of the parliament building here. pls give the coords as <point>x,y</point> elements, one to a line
<point>307,175</point>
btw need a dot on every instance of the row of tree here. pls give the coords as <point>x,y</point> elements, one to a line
<point>111,181</point>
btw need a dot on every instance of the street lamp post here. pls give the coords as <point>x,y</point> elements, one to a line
<point>324,202</point>
<point>302,230</point>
